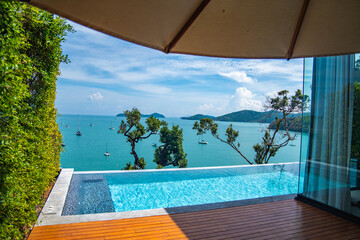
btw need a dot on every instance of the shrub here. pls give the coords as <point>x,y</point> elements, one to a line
<point>30,54</point>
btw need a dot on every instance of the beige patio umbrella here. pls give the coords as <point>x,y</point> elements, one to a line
<point>223,28</point>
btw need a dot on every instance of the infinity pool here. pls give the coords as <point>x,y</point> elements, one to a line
<point>129,191</point>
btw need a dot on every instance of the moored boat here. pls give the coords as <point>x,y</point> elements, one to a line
<point>203,142</point>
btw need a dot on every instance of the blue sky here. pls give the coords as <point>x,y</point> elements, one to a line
<point>107,76</point>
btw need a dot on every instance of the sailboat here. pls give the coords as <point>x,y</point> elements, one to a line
<point>107,154</point>
<point>111,127</point>
<point>78,133</point>
<point>202,141</point>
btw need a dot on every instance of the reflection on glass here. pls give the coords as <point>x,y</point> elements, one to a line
<point>331,133</point>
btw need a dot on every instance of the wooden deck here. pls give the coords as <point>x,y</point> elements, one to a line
<point>289,219</point>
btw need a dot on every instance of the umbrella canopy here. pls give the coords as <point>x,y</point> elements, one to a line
<point>223,28</point>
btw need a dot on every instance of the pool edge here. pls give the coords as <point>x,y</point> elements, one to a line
<point>51,214</point>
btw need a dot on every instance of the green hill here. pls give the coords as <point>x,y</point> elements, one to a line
<point>242,116</point>
<point>157,115</point>
<point>247,116</point>
<point>295,124</point>
<point>198,117</point>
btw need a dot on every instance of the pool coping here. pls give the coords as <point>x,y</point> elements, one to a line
<point>186,169</point>
<point>53,208</point>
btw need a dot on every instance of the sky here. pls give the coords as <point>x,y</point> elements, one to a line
<point>107,76</point>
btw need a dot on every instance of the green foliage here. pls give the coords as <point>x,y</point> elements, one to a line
<point>282,105</point>
<point>135,131</point>
<point>30,54</point>
<point>355,138</point>
<point>129,166</point>
<point>171,152</point>
<point>156,115</point>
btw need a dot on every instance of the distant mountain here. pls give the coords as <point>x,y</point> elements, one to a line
<point>242,116</point>
<point>247,116</point>
<point>198,117</point>
<point>157,115</point>
<point>295,124</point>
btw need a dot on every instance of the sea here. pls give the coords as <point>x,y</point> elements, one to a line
<point>86,152</point>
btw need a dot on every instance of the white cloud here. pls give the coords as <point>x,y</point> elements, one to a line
<point>149,88</point>
<point>210,109</point>
<point>271,94</point>
<point>239,76</point>
<point>173,84</point>
<point>289,70</point>
<point>206,107</point>
<point>96,97</point>
<point>244,99</point>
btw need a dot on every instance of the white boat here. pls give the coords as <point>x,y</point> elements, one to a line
<point>111,127</point>
<point>63,144</point>
<point>154,145</point>
<point>78,133</point>
<point>203,142</point>
<point>107,154</point>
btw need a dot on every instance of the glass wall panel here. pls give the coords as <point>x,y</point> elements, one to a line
<point>307,83</point>
<point>330,139</point>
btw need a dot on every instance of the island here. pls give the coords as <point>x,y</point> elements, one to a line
<point>198,117</point>
<point>156,115</point>
<point>248,116</point>
<point>241,116</point>
<point>296,124</point>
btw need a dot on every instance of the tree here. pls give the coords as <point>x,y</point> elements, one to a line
<point>283,104</point>
<point>171,152</point>
<point>135,131</point>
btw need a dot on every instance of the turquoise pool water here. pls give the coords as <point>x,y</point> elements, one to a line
<point>140,190</point>
<point>129,197</point>
<point>162,191</point>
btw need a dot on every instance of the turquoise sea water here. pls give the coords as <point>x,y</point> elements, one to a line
<point>86,152</point>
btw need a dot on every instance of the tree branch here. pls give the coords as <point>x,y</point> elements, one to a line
<point>167,164</point>
<point>151,133</point>
<point>126,133</point>
<point>233,146</point>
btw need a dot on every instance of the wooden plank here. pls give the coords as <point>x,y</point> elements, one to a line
<point>149,222</point>
<point>287,219</point>
<point>253,232</point>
